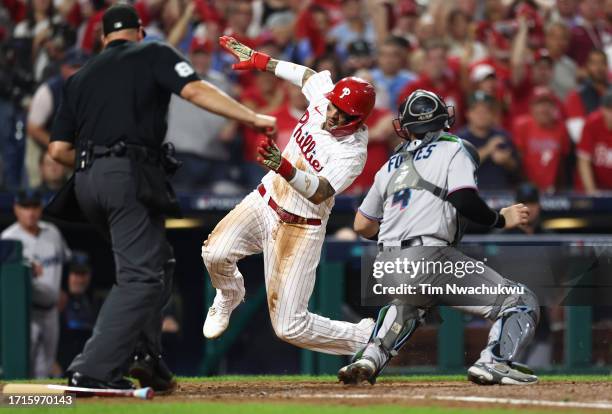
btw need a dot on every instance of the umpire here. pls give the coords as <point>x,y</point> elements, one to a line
<point>110,127</point>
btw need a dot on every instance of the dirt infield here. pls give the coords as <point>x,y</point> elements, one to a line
<point>581,396</point>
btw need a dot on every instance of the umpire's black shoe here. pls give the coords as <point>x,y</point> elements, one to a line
<point>153,372</point>
<point>76,379</point>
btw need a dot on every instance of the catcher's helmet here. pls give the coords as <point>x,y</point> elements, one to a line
<point>423,111</point>
<point>355,97</point>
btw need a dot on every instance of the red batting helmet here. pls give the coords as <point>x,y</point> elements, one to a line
<point>355,97</point>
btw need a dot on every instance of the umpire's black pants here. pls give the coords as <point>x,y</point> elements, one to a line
<point>131,314</point>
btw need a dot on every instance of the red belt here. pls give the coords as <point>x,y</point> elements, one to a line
<point>286,216</point>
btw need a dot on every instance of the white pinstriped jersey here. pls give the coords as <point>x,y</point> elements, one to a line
<point>312,149</point>
<point>412,213</point>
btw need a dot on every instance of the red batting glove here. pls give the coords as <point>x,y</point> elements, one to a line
<point>257,60</point>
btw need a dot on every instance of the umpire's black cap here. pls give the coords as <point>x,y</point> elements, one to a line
<point>120,17</point>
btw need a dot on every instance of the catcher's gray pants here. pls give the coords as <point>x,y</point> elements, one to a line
<point>131,314</point>
<point>44,334</point>
<point>484,305</point>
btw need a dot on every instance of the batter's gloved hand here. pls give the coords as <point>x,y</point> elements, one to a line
<point>248,58</point>
<point>269,155</point>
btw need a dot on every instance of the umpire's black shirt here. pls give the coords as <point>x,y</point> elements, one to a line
<point>122,93</point>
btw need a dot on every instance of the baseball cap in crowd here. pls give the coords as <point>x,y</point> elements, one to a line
<point>200,45</point>
<point>606,99</point>
<point>359,48</point>
<point>28,198</point>
<point>481,71</point>
<point>527,193</point>
<point>481,97</point>
<point>543,93</point>
<point>120,17</point>
<point>79,263</point>
<point>75,57</point>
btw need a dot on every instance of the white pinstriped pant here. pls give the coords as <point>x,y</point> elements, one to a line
<point>291,255</point>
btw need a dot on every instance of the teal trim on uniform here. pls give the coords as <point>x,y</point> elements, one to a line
<point>15,299</point>
<point>449,138</point>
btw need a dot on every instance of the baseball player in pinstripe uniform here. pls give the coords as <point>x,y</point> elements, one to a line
<point>286,216</point>
<point>413,209</point>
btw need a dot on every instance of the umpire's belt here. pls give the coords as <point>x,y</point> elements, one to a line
<point>134,152</point>
<point>286,216</point>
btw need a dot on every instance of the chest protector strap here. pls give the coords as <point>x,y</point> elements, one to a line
<point>407,177</point>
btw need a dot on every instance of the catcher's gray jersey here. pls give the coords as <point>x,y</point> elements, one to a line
<point>412,213</point>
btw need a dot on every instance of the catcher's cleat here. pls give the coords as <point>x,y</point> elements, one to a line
<point>219,313</point>
<point>359,371</point>
<point>501,373</point>
<point>152,371</point>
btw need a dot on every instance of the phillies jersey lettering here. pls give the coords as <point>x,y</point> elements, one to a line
<point>306,143</point>
<point>312,149</point>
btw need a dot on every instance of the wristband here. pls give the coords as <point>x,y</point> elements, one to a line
<point>500,221</point>
<point>304,183</point>
<point>260,60</point>
<point>290,72</point>
<point>285,169</point>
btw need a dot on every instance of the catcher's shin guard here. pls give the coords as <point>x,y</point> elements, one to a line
<point>394,326</point>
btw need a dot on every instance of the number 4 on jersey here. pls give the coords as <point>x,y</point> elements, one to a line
<point>402,198</point>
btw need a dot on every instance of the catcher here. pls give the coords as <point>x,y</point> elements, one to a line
<point>413,207</point>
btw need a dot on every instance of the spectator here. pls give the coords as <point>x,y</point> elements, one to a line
<point>280,29</point>
<point>46,251</point>
<point>312,23</point>
<point>595,150</point>
<point>35,31</point>
<point>498,163</point>
<point>359,57</point>
<point>566,12</point>
<point>77,310</point>
<point>588,33</point>
<point>289,114</point>
<point>462,45</point>
<point>53,174</point>
<point>390,76</point>
<point>354,26</point>
<point>201,138</point>
<point>173,23</point>
<point>439,77</point>
<point>564,68</point>
<point>586,98</point>
<point>527,74</point>
<point>528,194</point>
<point>44,105</point>
<point>266,95</point>
<point>239,17</point>
<point>542,141</point>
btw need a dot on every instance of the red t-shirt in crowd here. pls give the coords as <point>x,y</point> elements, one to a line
<point>596,145</point>
<point>574,108</point>
<point>542,150</point>
<point>378,154</point>
<point>285,123</point>
<point>448,88</point>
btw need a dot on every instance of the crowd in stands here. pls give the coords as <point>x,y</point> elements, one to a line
<point>529,80</point>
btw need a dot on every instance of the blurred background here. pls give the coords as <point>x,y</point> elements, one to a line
<point>530,86</point>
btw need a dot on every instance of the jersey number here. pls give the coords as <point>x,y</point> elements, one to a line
<point>183,69</point>
<point>402,197</point>
<point>424,153</point>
